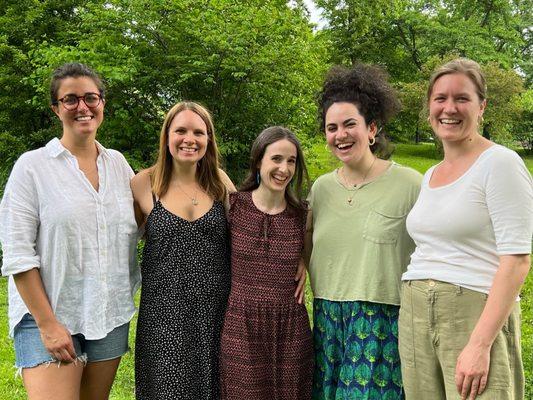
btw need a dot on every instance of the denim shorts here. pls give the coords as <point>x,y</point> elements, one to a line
<point>30,350</point>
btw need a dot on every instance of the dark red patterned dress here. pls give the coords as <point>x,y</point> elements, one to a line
<point>267,347</point>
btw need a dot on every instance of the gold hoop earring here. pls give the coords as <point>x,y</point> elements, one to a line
<point>371,141</point>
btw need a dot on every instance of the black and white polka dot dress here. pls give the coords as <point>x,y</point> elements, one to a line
<point>185,287</point>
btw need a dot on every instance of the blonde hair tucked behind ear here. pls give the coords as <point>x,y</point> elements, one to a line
<point>208,174</point>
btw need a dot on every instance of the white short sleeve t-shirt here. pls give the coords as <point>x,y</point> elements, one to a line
<point>462,228</point>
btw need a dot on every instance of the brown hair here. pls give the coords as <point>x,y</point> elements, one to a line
<point>464,66</point>
<point>365,86</point>
<point>207,173</point>
<point>73,70</point>
<point>293,192</point>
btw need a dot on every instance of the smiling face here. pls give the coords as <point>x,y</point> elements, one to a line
<point>187,137</point>
<point>278,165</point>
<point>347,133</point>
<point>455,108</point>
<point>82,122</point>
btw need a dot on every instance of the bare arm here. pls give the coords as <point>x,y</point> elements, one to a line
<point>301,273</point>
<point>141,187</point>
<point>472,367</point>
<point>308,243</point>
<point>56,338</point>
<point>230,188</point>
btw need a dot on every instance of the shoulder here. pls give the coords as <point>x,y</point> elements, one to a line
<point>32,157</point>
<point>118,158</point>
<point>116,155</point>
<point>226,180</point>
<point>30,162</point>
<point>406,174</point>
<point>325,179</point>
<point>119,163</point>
<point>235,197</point>
<point>141,183</point>
<point>142,178</point>
<point>498,155</point>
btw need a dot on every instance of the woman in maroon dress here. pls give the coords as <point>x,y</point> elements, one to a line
<point>267,348</point>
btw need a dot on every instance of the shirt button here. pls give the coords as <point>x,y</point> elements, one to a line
<point>431,283</point>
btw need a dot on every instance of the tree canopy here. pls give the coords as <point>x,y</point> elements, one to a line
<point>252,63</point>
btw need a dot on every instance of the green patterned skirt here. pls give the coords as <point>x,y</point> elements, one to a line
<point>356,351</point>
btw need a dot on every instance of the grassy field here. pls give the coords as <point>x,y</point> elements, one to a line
<point>419,157</point>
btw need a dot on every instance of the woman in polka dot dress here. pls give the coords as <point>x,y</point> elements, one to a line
<point>185,267</point>
<point>267,349</point>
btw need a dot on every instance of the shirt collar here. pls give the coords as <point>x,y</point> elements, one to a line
<point>55,148</point>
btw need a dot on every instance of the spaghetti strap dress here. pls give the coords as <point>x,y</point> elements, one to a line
<point>267,347</point>
<point>185,286</point>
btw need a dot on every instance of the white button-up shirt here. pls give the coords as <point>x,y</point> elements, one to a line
<point>83,241</point>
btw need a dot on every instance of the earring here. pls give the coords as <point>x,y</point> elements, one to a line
<point>371,141</point>
<point>258,178</point>
<point>326,147</point>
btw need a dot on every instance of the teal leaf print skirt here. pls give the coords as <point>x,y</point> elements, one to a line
<point>356,351</point>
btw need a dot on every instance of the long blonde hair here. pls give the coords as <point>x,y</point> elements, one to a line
<point>207,173</point>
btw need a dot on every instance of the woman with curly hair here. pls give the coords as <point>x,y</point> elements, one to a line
<point>357,242</point>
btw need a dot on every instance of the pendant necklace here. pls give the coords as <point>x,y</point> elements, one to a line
<point>194,200</point>
<point>347,185</point>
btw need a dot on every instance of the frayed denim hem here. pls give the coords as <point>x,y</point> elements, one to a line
<point>80,359</point>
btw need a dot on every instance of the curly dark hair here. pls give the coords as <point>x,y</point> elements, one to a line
<point>367,87</point>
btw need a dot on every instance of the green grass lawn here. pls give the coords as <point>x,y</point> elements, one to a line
<point>419,157</point>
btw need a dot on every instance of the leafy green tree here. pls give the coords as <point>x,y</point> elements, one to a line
<point>253,64</point>
<point>409,37</point>
<point>523,129</point>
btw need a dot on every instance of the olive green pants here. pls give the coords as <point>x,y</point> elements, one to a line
<point>435,323</point>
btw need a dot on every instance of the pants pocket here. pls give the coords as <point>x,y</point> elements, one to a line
<point>406,328</point>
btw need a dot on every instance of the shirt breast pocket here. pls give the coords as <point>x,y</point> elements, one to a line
<point>383,228</point>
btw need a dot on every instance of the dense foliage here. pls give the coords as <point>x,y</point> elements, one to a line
<point>411,37</point>
<point>253,63</point>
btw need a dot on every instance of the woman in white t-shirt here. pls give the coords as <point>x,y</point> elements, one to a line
<point>69,236</point>
<point>472,224</point>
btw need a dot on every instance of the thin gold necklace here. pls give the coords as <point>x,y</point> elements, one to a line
<point>347,185</point>
<point>194,199</point>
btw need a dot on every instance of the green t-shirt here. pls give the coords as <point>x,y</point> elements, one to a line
<point>360,250</point>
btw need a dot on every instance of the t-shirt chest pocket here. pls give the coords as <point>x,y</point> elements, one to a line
<point>383,228</point>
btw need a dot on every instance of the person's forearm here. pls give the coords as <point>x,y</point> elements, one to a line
<point>30,287</point>
<point>308,239</point>
<point>508,280</point>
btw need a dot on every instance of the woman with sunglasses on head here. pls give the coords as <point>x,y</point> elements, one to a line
<point>68,234</point>
<point>358,241</point>
<point>185,264</point>
<point>472,225</point>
